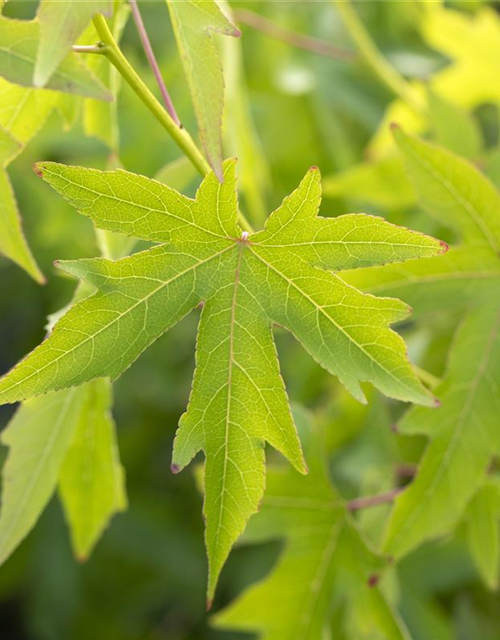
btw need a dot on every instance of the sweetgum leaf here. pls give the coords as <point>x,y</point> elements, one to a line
<point>22,112</point>
<point>37,437</point>
<point>19,43</point>
<point>193,20</point>
<point>455,193</point>
<point>66,437</point>
<point>61,23</point>
<point>463,432</point>
<point>325,564</point>
<point>283,274</point>
<point>465,275</point>
<point>91,481</point>
<point>482,521</point>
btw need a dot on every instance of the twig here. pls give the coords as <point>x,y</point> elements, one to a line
<point>179,134</point>
<point>143,35</point>
<point>373,501</point>
<point>299,40</point>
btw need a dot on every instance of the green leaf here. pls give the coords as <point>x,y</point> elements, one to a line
<point>13,244</point>
<point>471,43</point>
<point>247,283</point>
<point>9,147</point>
<point>91,482</point>
<point>373,183</point>
<point>463,432</point>
<point>446,120</point>
<point>482,521</point>
<point>61,23</point>
<point>453,191</point>
<point>38,437</point>
<point>325,566</point>
<point>193,20</point>
<point>24,110</point>
<point>18,46</point>
<point>464,276</point>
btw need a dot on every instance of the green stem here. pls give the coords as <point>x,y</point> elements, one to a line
<point>181,137</point>
<point>374,59</point>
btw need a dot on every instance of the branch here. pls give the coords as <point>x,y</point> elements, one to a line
<point>180,136</point>
<point>373,501</point>
<point>299,40</point>
<point>143,35</point>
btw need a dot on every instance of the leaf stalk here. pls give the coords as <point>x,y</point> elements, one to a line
<point>179,134</point>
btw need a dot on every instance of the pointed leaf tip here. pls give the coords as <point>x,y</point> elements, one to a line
<point>175,469</point>
<point>38,168</point>
<point>373,580</point>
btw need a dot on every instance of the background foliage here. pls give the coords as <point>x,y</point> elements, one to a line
<point>286,110</point>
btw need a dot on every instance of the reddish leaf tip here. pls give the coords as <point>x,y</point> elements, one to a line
<point>314,168</point>
<point>394,427</point>
<point>209,604</point>
<point>174,468</point>
<point>373,580</point>
<point>394,126</point>
<point>444,247</point>
<point>437,402</point>
<point>38,169</point>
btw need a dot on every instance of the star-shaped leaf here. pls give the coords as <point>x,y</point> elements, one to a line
<point>283,274</point>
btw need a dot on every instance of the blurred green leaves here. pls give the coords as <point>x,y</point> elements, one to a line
<point>326,571</point>
<point>64,438</point>
<point>285,109</point>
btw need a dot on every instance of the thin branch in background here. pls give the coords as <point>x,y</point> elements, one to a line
<point>299,40</point>
<point>143,34</point>
<point>404,470</point>
<point>373,501</point>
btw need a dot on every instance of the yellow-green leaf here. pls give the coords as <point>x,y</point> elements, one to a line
<point>91,482</point>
